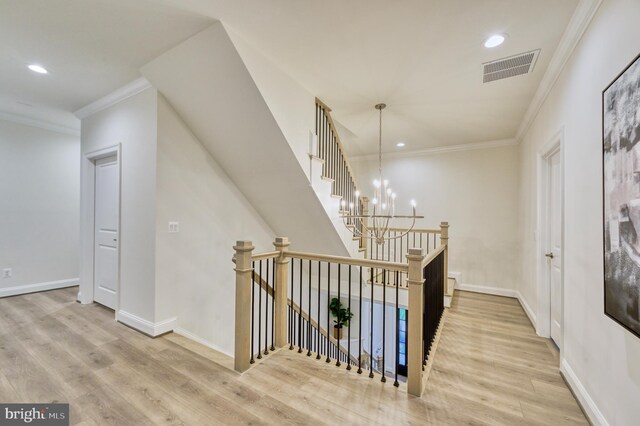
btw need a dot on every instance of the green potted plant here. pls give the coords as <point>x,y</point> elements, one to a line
<point>341,316</point>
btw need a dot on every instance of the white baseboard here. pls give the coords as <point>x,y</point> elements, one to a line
<point>496,291</point>
<point>32,288</point>
<point>588,405</point>
<point>147,327</point>
<point>198,339</point>
<point>527,309</point>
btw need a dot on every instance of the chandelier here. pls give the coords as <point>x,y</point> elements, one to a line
<point>375,225</point>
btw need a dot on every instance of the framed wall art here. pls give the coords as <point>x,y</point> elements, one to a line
<point>621,197</point>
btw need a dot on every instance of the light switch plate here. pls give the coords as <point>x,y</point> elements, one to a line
<point>7,273</point>
<point>174,227</point>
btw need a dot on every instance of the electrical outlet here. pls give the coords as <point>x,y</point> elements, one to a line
<point>174,227</point>
<point>7,273</point>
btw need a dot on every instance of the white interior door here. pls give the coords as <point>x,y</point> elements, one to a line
<point>554,246</point>
<point>107,212</point>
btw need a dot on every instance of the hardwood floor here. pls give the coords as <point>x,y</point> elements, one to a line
<point>490,368</point>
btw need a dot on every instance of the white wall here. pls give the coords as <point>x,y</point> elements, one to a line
<point>39,208</point>
<point>600,358</point>
<point>194,273</point>
<point>475,191</point>
<point>292,106</point>
<point>133,124</point>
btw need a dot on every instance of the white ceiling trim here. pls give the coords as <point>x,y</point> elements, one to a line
<point>440,150</point>
<point>580,20</point>
<point>118,95</point>
<point>41,124</point>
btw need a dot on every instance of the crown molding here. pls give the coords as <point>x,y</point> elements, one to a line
<point>582,17</point>
<point>41,124</point>
<point>441,149</point>
<point>118,95</point>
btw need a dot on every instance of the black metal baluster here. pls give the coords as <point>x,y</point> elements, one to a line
<point>370,249</point>
<point>300,308</point>
<point>384,317</point>
<point>273,305</point>
<point>253,283</point>
<point>293,319</point>
<point>339,330</point>
<point>349,327</point>
<point>395,383</point>
<point>318,321</point>
<point>371,331</point>
<point>395,246</point>
<point>388,243</point>
<point>260,311</point>
<point>328,303</point>
<point>266,311</point>
<point>360,326</point>
<point>309,323</point>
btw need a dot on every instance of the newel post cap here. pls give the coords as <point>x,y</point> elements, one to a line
<point>243,245</point>
<point>415,254</point>
<point>281,242</point>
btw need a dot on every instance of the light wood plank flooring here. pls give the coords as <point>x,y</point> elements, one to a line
<point>490,368</point>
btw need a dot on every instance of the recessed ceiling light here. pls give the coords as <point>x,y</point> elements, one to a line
<point>494,41</point>
<point>37,68</point>
<point>400,144</point>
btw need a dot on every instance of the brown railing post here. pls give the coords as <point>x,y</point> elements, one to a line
<point>242,351</point>
<point>365,226</point>
<point>282,272</point>
<point>444,239</point>
<point>415,336</point>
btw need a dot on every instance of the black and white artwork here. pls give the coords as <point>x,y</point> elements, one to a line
<point>621,174</point>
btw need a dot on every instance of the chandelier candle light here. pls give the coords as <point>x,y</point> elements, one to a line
<point>384,206</point>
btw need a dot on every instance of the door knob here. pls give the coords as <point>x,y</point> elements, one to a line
<point>549,255</point>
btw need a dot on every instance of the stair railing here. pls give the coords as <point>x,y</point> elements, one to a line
<point>283,300</point>
<point>336,167</point>
<point>396,249</point>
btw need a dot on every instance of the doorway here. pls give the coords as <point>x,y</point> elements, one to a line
<point>100,202</point>
<point>106,223</point>
<point>551,225</point>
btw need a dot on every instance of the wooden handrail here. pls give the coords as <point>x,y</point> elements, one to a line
<point>264,256</point>
<point>338,141</point>
<point>377,264</point>
<point>433,254</point>
<point>421,231</point>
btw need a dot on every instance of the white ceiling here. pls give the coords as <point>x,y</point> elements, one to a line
<point>421,57</point>
<point>90,47</point>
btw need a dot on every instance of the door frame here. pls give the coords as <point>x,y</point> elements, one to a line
<point>543,315</point>
<point>87,222</point>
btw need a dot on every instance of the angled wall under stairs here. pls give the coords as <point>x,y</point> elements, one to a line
<point>258,124</point>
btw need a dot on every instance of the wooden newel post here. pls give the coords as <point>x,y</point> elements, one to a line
<point>242,352</point>
<point>282,272</point>
<point>415,343</point>
<point>444,239</point>
<point>365,226</point>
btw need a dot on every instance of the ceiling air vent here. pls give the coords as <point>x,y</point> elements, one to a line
<point>510,67</point>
